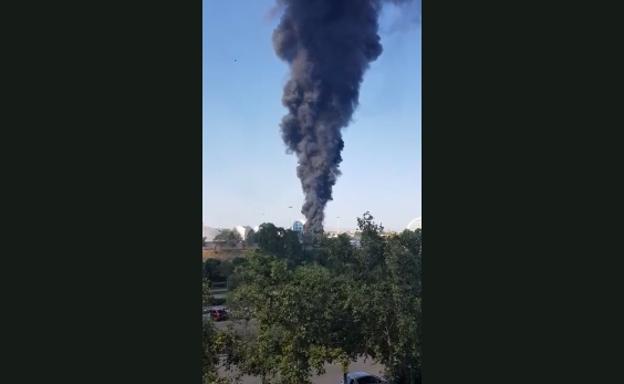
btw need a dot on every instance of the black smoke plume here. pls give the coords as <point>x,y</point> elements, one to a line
<point>328,45</point>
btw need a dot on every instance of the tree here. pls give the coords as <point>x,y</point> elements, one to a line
<point>280,242</point>
<point>215,346</point>
<point>251,238</point>
<point>292,250</point>
<point>301,320</point>
<point>219,348</point>
<point>333,307</point>
<point>393,304</point>
<point>270,239</point>
<point>371,250</point>
<point>237,263</point>
<point>337,254</point>
<point>225,269</point>
<point>229,236</point>
<point>218,270</point>
<point>210,357</point>
<point>212,270</point>
<point>206,294</point>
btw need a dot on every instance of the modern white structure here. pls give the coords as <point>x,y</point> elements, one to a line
<point>414,224</point>
<point>209,233</point>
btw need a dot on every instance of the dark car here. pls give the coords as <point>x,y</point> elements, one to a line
<point>218,314</point>
<point>363,378</point>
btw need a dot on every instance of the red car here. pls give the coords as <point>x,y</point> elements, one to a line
<point>218,314</point>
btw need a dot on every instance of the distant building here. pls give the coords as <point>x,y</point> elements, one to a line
<point>297,226</point>
<point>415,224</point>
<point>210,233</point>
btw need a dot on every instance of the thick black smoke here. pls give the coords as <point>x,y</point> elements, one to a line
<point>329,45</point>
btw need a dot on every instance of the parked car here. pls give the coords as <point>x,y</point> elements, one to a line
<point>218,314</point>
<point>360,377</point>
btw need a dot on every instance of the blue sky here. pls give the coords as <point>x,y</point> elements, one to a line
<point>247,176</point>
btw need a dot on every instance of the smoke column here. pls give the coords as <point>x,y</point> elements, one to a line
<point>328,45</point>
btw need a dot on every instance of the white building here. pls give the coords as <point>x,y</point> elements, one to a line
<point>414,224</point>
<point>209,233</point>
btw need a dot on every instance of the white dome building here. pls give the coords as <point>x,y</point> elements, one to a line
<point>209,233</point>
<point>414,224</point>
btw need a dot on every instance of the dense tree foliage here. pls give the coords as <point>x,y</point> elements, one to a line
<point>217,346</point>
<point>251,238</point>
<point>282,243</point>
<point>298,329</point>
<point>217,270</point>
<point>230,236</point>
<point>210,354</point>
<point>329,304</point>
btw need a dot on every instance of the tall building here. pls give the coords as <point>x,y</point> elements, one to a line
<point>297,226</point>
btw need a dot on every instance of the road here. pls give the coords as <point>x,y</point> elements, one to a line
<point>333,373</point>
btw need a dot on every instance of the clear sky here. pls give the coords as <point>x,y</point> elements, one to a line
<point>247,176</point>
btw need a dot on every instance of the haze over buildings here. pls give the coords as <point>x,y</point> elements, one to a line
<point>209,233</point>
